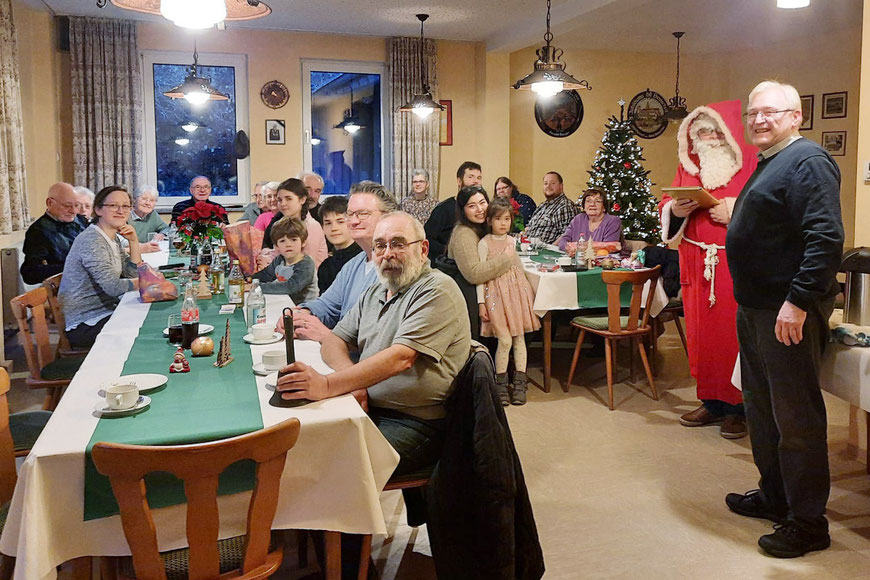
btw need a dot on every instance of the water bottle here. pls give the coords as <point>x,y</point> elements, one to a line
<point>581,250</point>
<point>256,308</point>
<point>189,316</point>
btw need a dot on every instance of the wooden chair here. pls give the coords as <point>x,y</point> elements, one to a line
<point>616,327</point>
<point>8,475</point>
<point>673,311</point>
<point>46,371</point>
<point>246,557</point>
<point>52,285</point>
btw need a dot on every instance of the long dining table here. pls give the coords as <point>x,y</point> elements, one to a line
<point>332,479</point>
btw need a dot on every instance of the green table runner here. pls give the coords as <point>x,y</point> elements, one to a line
<point>206,404</point>
<point>591,291</point>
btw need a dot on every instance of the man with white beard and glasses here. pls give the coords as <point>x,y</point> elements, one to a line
<point>713,155</point>
<point>411,345</point>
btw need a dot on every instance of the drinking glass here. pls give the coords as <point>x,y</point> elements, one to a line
<point>175,329</point>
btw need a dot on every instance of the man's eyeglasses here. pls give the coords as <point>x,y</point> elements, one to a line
<point>361,214</point>
<point>118,206</point>
<point>201,187</point>
<point>751,116</point>
<point>419,181</point>
<point>397,246</point>
<point>66,206</point>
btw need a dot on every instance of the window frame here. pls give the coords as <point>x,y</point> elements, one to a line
<point>356,67</point>
<point>240,63</point>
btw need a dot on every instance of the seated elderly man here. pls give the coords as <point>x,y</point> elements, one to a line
<point>49,239</point>
<point>200,190</point>
<point>411,344</point>
<point>314,186</point>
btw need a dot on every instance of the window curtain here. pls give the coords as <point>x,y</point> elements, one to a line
<point>14,213</point>
<point>415,141</point>
<point>107,103</point>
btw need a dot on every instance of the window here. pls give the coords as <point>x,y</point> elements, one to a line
<point>175,154</point>
<point>345,119</point>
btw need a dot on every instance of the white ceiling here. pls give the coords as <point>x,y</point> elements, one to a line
<point>630,25</point>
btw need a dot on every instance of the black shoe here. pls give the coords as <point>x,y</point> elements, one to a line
<point>753,505</point>
<point>790,541</point>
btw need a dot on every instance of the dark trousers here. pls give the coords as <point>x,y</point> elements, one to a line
<point>723,409</point>
<point>786,413</point>
<point>83,336</point>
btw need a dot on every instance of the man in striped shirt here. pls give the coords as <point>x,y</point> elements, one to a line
<point>553,216</point>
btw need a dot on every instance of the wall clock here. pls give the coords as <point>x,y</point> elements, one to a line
<point>647,114</point>
<point>274,94</point>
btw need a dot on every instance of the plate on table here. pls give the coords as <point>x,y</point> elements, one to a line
<point>145,381</point>
<point>203,329</point>
<point>103,408</point>
<point>276,336</point>
<point>261,370</point>
<point>272,381</point>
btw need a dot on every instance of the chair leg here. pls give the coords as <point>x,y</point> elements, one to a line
<point>649,376</point>
<point>609,364</point>
<point>365,556</point>
<point>81,568</point>
<point>682,334</point>
<point>333,555</point>
<point>7,567</point>
<point>574,361</point>
<point>52,398</point>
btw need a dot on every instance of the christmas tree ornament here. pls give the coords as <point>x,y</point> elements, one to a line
<point>179,362</point>
<point>202,346</point>
<point>203,291</point>
<point>224,357</point>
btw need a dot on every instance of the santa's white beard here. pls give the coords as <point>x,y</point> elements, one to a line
<point>717,162</point>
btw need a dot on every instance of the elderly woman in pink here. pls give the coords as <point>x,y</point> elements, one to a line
<point>594,223</point>
<point>269,193</point>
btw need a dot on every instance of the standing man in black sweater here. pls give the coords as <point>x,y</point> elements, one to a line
<point>785,244</point>
<point>440,224</point>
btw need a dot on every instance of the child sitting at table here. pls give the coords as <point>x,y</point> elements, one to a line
<point>333,211</point>
<point>506,305</point>
<point>292,272</point>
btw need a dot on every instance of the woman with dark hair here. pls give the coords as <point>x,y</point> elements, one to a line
<point>293,202</point>
<point>97,271</point>
<point>506,189</point>
<point>471,205</point>
<point>593,223</point>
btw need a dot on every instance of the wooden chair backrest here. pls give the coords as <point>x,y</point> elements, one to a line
<point>198,466</point>
<point>637,278</point>
<point>52,286</point>
<point>38,354</point>
<point>8,476</point>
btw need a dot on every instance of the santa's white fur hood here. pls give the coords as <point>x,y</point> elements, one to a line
<point>684,146</point>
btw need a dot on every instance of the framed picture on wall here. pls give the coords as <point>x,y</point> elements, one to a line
<point>834,105</point>
<point>834,142</point>
<point>275,131</point>
<point>807,106</point>
<point>446,123</point>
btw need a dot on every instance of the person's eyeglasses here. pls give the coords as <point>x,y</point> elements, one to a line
<point>751,116</point>
<point>201,187</point>
<point>361,214</point>
<point>419,181</point>
<point>118,206</point>
<point>398,246</point>
<point>66,206</point>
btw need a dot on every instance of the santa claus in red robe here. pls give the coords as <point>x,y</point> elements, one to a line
<point>713,155</point>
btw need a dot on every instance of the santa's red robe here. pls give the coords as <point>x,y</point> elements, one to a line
<point>710,330</point>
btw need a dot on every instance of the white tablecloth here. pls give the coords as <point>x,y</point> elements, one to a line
<point>332,480</point>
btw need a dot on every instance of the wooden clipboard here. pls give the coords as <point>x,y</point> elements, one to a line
<point>695,193</point>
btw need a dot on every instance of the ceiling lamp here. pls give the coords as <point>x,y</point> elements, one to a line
<point>677,105</point>
<point>791,4</point>
<point>351,122</point>
<point>195,89</point>
<point>191,126</point>
<point>421,104</point>
<point>197,13</point>
<point>549,77</point>
<point>182,141</point>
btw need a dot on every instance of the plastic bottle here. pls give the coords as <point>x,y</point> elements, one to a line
<point>255,312</point>
<point>194,254</point>
<point>205,254</point>
<point>189,316</point>
<point>235,285</point>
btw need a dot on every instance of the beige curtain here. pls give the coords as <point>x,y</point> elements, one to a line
<point>14,214</point>
<point>107,103</point>
<point>415,142</point>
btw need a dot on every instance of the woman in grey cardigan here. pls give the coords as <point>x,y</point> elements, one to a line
<point>97,271</point>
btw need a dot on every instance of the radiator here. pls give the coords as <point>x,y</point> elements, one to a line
<point>12,284</point>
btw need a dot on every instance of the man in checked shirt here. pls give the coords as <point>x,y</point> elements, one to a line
<point>553,216</point>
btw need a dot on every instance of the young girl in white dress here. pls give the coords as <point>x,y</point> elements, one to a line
<point>506,305</point>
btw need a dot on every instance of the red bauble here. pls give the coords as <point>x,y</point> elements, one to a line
<point>627,165</point>
<point>616,207</point>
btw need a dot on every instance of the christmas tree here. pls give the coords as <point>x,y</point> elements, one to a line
<point>617,170</point>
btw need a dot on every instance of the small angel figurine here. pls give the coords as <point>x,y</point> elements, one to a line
<point>179,362</point>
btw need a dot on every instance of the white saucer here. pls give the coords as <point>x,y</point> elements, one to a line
<point>145,381</point>
<point>272,381</point>
<point>261,370</point>
<point>276,336</point>
<point>203,329</point>
<point>104,409</point>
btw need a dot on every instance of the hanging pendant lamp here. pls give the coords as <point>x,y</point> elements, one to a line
<point>351,122</point>
<point>677,110</point>
<point>549,77</point>
<point>792,4</point>
<point>197,13</point>
<point>422,104</point>
<point>195,89</point>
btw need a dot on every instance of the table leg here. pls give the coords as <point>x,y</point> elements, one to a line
<point>546,329</point>
<point>81,568</point>
<point>867,431</point>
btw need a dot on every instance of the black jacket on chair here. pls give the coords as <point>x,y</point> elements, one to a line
<point>480,519</point>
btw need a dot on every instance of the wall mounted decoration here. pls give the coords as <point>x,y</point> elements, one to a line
<point>834,105</point>
<point>274,94</point>
<point>275,132</point>
<point>446,122</point>
<point>834,142</point>
<point>647,114</point>
<point>808,103</point>
<point>560,115</point>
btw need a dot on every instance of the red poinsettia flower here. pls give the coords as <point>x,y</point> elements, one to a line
<point>616,207</point>
<point>515,205</point>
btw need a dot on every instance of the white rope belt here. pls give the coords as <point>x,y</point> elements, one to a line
<point>711,260</point>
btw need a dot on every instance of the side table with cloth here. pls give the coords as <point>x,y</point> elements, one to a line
<point>571,291</point>
<point>332,479</point>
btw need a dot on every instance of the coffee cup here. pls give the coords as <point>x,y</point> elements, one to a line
<point>122,396</point>
<point>262,331</point>
<point>274,360</point>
